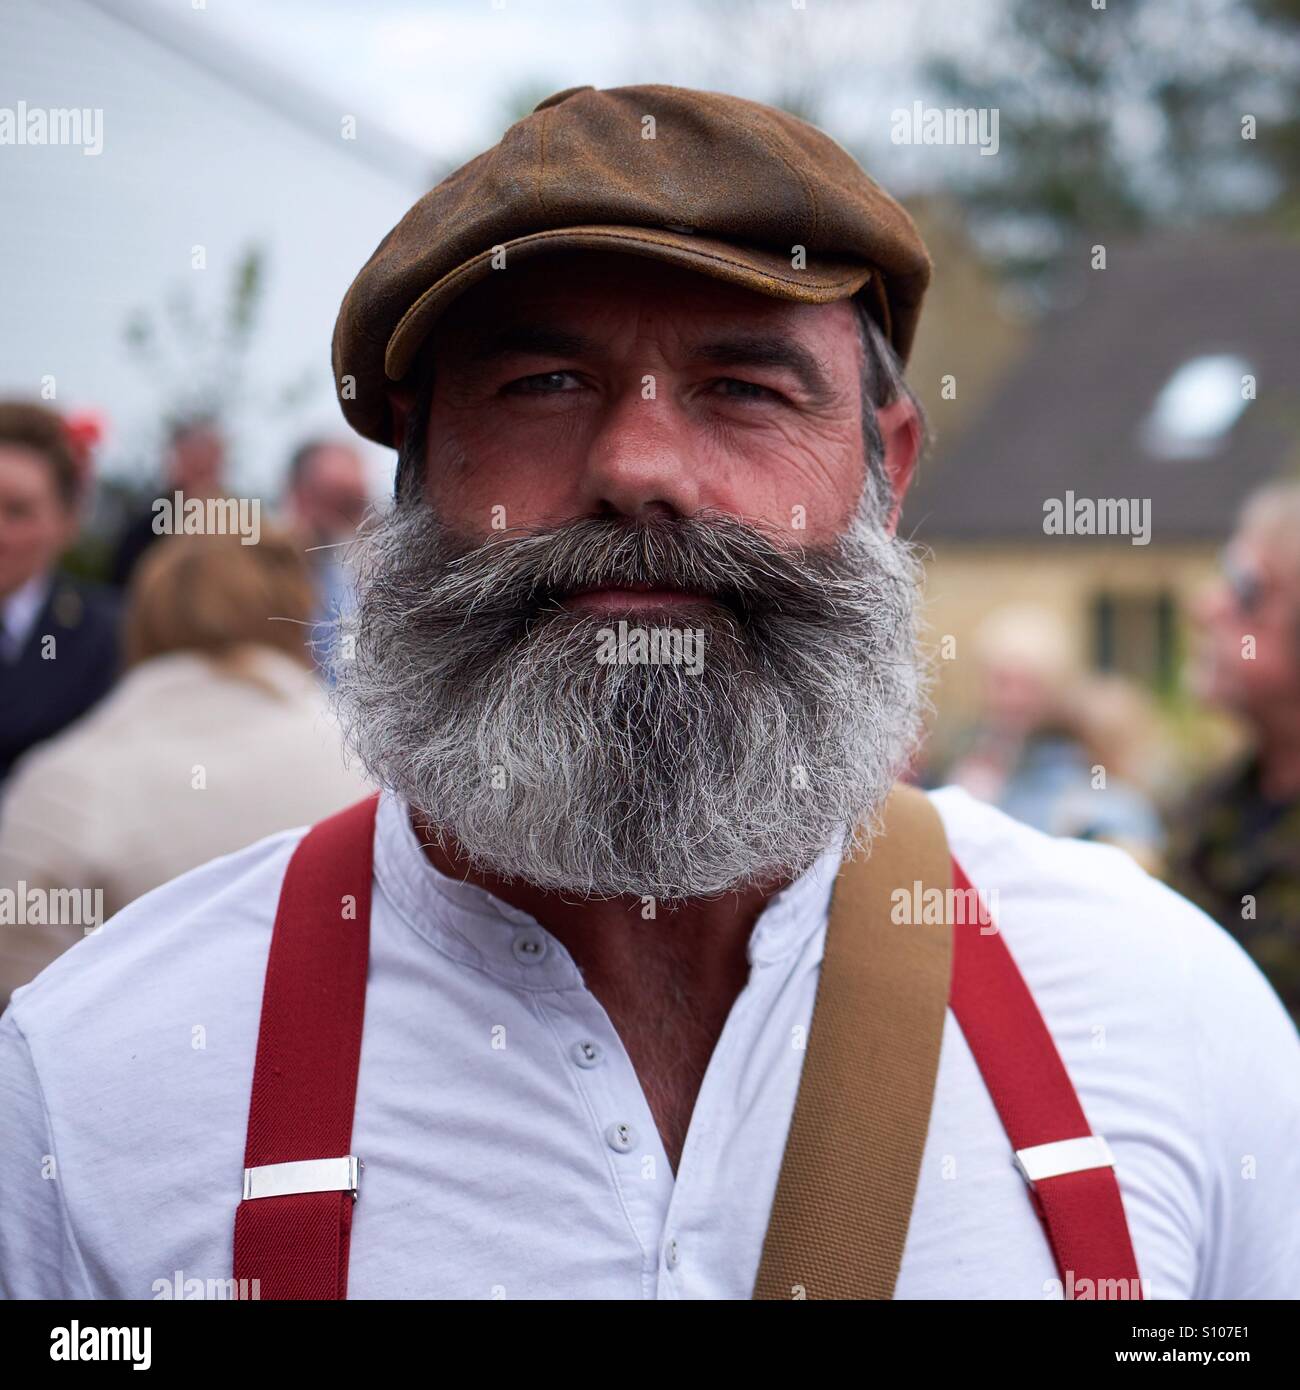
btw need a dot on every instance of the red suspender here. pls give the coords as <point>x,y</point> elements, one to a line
<point>305,1078</point>
<point>1081,1209</point>
<point>293,1228</point>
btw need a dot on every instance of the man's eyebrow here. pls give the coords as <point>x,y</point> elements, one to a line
<point>769,350</point>
<point>526,338</point>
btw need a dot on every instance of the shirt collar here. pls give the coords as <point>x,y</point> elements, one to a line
<point>475,927</point>
<point>21,610</point>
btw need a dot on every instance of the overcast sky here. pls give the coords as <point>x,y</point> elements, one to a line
<point>440,73</point>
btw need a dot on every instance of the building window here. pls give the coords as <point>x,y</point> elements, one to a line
<point>1135,635</point>
<point>1197,407</point>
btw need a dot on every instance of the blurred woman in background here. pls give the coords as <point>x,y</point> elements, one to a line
<point>218,734</point>
<point>1056,747</point>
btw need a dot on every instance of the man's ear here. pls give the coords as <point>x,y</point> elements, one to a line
<point>401,401</point>
<point>900,431</point>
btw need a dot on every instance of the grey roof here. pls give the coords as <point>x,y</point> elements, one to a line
<point>1069,414</point>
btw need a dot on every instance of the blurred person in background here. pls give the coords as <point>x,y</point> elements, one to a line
<point>195,466</point>
<point>1047,746</point>
<point>1114,722</point>
<point>217,735</point>
<point>325,503</point>
<point>1236,840</point>
<point>58,637</point>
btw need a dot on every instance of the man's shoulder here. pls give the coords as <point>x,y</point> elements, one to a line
<point>1019,863</point>
<point>1177,1048</point>
<point>1072,910</point>
<point>205,931</point>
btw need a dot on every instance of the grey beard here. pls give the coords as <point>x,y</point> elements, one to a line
<point>473,694</point>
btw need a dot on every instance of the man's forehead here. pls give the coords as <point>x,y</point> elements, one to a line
<point>21,460</point>
<point>1263,546</point>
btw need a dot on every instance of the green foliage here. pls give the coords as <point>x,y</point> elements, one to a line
<point>197,356</point>
<point>1113,120</point>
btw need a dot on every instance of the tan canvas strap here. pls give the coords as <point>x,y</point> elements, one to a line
<point>853,1155</point>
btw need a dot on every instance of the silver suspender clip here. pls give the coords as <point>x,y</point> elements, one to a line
<point>1064,1156</point>
<point>306,1175</point>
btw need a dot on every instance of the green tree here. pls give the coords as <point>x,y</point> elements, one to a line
<point>1131,115</point>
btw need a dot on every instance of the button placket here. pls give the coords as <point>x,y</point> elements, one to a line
<point>624,1125</point>
<point>701,1161</point>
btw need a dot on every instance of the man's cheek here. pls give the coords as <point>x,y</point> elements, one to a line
<point>490,501</point>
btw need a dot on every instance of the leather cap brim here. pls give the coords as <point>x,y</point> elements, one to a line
<point>765,272</point>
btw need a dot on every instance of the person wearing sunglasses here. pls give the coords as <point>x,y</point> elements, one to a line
<point>1237,844</point>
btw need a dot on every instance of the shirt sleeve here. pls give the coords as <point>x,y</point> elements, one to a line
<point>1248,1061</point>
<point>48,841</point>
<point>39,1258</point>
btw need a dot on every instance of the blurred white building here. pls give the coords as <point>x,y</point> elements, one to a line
<point>203,146</point>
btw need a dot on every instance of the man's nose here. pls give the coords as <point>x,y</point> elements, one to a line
<point>642,461</point>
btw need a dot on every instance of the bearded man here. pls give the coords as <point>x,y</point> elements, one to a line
<point>563,1014</point>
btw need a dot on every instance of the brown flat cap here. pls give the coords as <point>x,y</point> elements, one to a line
<point>720,185</point>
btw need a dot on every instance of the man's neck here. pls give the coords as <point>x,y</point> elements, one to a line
<point>617,940</point>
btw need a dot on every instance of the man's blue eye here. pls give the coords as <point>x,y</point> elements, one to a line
<point>543,383</point>
<point>744,390</point>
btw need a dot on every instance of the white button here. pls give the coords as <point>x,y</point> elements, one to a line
<point>620,1137</point>
<point>587,1053</point>
<point>529,946</point>
<point>672,1256</point>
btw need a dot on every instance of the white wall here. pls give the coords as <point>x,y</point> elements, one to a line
<point>188,158</point>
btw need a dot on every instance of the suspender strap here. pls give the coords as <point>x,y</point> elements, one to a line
<point>293,1227</point>
<point>857,1135</point>
<point>1078,1201</point>
<point>853,1154</point>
